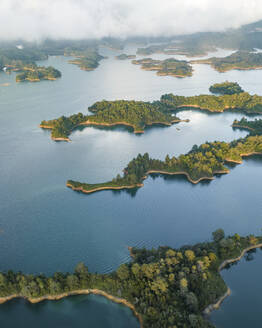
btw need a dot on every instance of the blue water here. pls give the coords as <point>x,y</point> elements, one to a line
<point>46,227</point>
<point>243,308</point>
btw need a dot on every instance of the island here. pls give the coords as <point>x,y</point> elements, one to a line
<point>135,114</point>
<point>226,88</point>
<point>171,66</point>
<point>200,163</point>
<point>36,73</point>
<point>87,59</point>
<point>125,56</point>
<point>241,60</point>
<point>164,287</point>
<point>254,127</point>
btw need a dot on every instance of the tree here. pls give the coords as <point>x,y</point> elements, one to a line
<point>190,255</point>
<point>123,272</point>
<point>218,235</point>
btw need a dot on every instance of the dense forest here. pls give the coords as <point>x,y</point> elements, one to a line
<point>137,114</point>
<point>242,102</point>
<point>171,66</point>
<point>202,162</point>
<point>241,60</point>
<point>255,127</point>
<point>168,287</point>
<point>226,88</point>
<point>36,73</point>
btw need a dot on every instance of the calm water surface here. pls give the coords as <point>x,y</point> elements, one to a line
<point>45,227</point>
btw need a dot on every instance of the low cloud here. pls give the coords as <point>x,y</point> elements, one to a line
<point>37,19</point>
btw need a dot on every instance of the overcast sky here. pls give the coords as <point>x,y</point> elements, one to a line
<point>36,19</point>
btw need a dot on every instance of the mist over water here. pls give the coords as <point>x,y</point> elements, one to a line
<point>75,19</point>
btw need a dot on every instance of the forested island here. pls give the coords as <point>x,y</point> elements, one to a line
<point>164,287</point>
<point>241,60</point>
<point>226,88</point>
<point>125,56</point>
<point>136,114</point>
<point>201,163</point>
<point>171,66</point>
<point>254,127</point>
<point>87,59</point>
<point>34,73</point>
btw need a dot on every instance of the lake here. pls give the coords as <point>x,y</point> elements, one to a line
<point>46,227</point>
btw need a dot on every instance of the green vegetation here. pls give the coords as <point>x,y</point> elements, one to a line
<point>87,59</point>
<point>241,60</point>
<point>36,73</point>
<point>242,102</point>
<point>166,287</point>
<point>125,56</point>
<point>226,88</point>
<point>201,163</point>
<point>15,59</point>
<point>137,114</point>
<point>255,127</point>
<point>173,67</point>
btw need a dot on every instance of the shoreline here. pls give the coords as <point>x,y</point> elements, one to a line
<point>74,293</point>
<point>90,123</point>
<point>81,189</point>
<point>214,306</point>
<point>242,155</point>
<point>210,308</point>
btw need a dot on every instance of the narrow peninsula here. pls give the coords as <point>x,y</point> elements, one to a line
<point>201,163</point>
<point>164,287</point>
<point>254,127</point>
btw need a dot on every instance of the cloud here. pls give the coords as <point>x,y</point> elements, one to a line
<point>36,19</point>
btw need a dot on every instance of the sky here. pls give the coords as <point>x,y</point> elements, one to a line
<point>76,19</point>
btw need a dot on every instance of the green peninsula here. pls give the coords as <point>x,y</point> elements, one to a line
<point>136,114</point>
<point>164,287</point>
<point>171,66</point>
<point>241,102</point>
<point>254,127</point>
<point>36,73</point>
<point>226,88</point>
<point>201,163</point>
<point>241,60</point>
